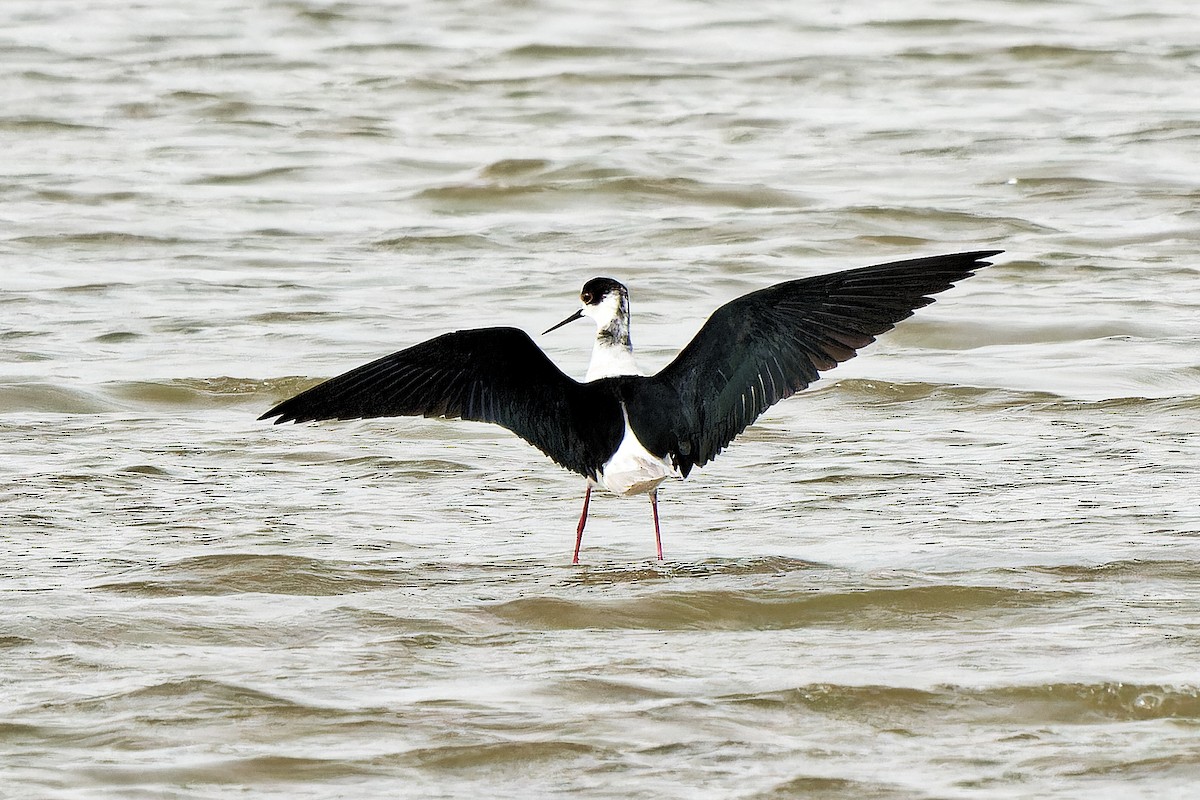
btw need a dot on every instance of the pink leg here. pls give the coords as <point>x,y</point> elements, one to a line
<point>657,535</point>
<point>582,522</point>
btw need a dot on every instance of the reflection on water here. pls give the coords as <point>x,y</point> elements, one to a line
<point>963,565</point>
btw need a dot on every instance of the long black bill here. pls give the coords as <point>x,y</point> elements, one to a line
<point>578,314</point>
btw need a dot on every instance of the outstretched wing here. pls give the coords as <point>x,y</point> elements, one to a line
<point>488,374</point>
<point>769,344</point>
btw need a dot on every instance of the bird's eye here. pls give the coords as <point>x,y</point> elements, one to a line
<point>586,297</point>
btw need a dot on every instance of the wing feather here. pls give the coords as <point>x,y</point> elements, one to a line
<point>769,344</point>
<point>489,375</point>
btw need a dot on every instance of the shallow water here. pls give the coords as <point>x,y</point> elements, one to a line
<point>964,565</point>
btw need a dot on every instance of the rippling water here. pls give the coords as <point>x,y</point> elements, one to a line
<point>966,564</point>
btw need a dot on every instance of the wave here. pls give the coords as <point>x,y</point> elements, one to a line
<point>236,573</point>
<point>883,392</point>
<point>44,398</point>
<point>556,187</point>
<point>732,610</point>
<point>236,771</point>
<point>1031,704</point>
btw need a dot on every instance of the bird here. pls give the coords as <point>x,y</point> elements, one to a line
<point>622,430</point>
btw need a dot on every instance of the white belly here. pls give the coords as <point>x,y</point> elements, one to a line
<point>633,469</point>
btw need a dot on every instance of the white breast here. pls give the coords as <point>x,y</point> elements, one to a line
<point>609,360</point>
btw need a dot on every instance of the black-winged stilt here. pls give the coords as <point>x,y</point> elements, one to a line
<point>628,432</point>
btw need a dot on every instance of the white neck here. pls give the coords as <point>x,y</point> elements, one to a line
<point>612,354</point>
<point>610,359</point>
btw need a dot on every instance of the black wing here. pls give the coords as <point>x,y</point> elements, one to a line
<point>769,344</point>
<point>488,374</point>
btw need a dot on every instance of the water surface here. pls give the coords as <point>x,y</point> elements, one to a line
<point>964,565</point>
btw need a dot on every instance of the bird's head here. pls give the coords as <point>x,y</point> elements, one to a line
<point>605,301</point>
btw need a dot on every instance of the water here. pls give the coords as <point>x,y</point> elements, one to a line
<point>965,565</point>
